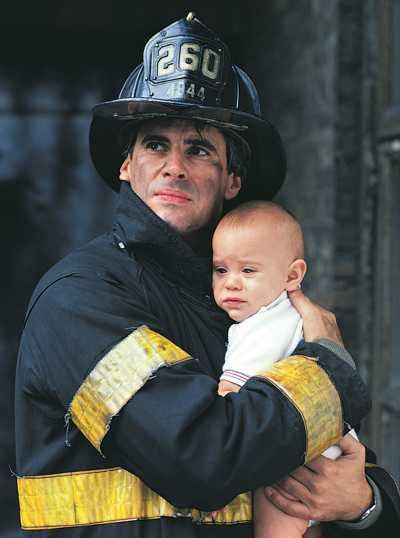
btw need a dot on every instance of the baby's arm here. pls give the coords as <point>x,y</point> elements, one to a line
<point>225,386</point>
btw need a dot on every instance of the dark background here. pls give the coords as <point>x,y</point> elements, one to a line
<point>327,81</point>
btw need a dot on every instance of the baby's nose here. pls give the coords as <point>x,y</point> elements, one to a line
<point>233,282</point>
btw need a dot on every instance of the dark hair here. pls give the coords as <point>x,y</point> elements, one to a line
<point>237,155</point>
<point>237,150</point>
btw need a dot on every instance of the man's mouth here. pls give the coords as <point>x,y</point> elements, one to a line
<point>177,197</point>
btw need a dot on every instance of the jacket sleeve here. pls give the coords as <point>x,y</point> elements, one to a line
<point>185,442</point>
<point>387,498</point>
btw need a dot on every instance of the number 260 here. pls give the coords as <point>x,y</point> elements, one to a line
<point>189,59</point>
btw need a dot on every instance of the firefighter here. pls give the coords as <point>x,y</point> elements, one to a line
<point>119,428</point>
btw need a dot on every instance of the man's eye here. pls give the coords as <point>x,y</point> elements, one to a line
<point>198,151</point>
<point>155,146</point>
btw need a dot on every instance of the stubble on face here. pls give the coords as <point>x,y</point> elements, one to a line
<point>175,157</point>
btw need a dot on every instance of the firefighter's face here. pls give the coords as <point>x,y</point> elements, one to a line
<point>181,173</point>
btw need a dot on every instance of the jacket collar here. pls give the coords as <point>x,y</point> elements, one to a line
<point>146,235</point>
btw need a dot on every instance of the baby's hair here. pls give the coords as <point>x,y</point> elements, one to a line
<point>249,209</point>
<point>249,212</point>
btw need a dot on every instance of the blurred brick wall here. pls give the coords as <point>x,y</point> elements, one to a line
<point>290,51</point>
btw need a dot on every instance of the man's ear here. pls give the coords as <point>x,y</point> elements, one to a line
<point>124,172</point>
<point>296,273</point>
<point>233,186</point>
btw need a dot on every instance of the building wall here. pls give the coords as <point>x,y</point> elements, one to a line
<point>290,51</point>
<point>329,81</point>
<point>348,151</point>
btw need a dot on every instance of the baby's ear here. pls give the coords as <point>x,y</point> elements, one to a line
<point>296,273</point>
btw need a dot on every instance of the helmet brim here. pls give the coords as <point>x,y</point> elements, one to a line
<point>267,169</point>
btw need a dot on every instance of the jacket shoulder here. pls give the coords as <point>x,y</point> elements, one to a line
<point>100,260</point>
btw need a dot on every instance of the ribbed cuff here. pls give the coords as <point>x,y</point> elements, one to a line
<point>339,351</point>
<point>239,378</point>
<point>372,516</point>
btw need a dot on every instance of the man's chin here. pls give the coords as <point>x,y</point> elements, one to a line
<point>178,219</point>
<point>195,233</point>
<point>183,228</point>
<point>181,225</point>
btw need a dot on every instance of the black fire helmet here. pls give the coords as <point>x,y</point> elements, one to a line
<point>187,73</point>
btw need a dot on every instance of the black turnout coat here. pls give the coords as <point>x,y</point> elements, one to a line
<point>170,451</point>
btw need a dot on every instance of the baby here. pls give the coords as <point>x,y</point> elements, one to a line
<point>258,256</point>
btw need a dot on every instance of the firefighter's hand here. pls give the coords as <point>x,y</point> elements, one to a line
<point>329,490</point>
<point>317,322</point>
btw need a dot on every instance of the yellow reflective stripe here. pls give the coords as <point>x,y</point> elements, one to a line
<point>314,395</point>
<point>117,377</point>
<point>107,496</point>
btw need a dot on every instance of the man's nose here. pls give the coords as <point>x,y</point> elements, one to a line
<point>174,167</point>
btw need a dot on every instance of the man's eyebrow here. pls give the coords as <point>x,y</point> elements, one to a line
<point>154,138</point>
<point>200,142</point>
<point>188,141</point>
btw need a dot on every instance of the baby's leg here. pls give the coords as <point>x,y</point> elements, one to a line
<point>333,452</point>
<point>270,522</point>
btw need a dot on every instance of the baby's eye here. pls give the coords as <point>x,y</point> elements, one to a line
<point>219,270</point>
<point>248,270</point>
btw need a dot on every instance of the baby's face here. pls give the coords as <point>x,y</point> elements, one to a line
<point>250,269</point>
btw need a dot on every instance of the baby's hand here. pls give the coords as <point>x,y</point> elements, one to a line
<point>225,386</point>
